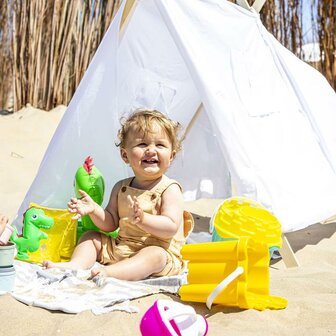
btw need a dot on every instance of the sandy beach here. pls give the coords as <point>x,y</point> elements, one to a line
<point>310,289</point>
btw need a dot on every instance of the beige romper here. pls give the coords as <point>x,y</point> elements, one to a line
<point>131,239</point>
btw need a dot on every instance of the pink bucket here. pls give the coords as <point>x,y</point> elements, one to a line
<point>170,318</point>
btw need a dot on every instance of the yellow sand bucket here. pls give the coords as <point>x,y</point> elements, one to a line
<point>61,239</point>
<point>231,273</point>
<point>241,217</point>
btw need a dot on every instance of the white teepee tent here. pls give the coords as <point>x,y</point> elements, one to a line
<point>255,115</point>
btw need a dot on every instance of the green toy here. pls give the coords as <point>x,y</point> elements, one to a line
<point>89,179</point>
<point>33,220</point>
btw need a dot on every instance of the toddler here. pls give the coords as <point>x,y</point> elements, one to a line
<point>147,208</point>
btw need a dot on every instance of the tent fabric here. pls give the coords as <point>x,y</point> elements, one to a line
<point>265,121</point>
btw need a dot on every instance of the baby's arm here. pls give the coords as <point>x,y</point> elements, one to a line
<point>106,220</point>
<point>168,222</point>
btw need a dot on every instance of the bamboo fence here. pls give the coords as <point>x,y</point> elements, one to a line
<point>46,45</point>
<point>6,59</point>
<point>326,28</point>
<point>53,44</point>
<point>284,20</point>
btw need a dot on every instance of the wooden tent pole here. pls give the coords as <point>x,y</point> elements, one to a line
<point>127,14</point>
<point>257,5</point>
<point>192,121</point>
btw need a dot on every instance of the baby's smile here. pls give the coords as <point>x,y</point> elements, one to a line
<point>150,161</point>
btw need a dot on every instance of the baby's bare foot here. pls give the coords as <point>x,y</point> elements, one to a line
<point>100,272</point>
<point>48,264</point>
<point>98,276</point>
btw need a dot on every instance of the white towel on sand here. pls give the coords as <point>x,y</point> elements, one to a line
<point>72,292</point>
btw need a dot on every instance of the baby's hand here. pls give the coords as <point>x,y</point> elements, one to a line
<point>81,206</point>
<point>136,213</point>
<point>3,221</point>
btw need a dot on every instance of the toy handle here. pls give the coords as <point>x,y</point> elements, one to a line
<point>180,311</point>
<point>190,325</point>
<point>212,296</point>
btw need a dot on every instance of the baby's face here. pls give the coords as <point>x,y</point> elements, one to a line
<point>149,155</point>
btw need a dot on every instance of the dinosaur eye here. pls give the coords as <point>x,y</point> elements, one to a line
<point>34,217</point>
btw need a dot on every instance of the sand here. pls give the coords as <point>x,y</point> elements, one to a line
<point>310,289</point>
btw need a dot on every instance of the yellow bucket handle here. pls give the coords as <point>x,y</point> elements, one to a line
<point>212,296</point>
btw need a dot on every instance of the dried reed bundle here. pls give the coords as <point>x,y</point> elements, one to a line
<point>52,42</point>
<point>326,27</point>
<point>284,20</point>
<point>6,61</point>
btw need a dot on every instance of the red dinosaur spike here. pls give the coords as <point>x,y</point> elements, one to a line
<point>88,164</point>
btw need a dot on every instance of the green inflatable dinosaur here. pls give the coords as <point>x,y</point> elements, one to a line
<point>90,179</point>
<point>33,220</point>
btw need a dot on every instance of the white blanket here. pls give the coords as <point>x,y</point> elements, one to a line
<point>73,291</point>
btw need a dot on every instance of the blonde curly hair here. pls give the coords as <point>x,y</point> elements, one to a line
<point>143,120</point>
